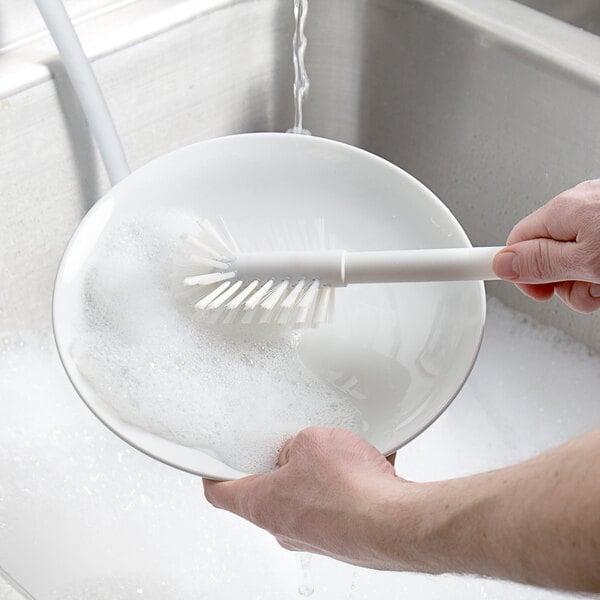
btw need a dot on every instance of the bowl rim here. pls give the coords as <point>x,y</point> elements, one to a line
<point>126,431</point>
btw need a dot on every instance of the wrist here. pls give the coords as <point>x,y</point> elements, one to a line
<point>440,527</point>
<point>535,523</point>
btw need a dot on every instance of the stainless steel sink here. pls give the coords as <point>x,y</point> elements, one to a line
<point>581,13</point>
<point>494,106</point>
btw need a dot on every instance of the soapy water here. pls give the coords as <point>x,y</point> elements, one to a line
<point>307,586</point>
<point>11,589</point>
<point>301,81</point>
<point>84,515</point>
<point>238,392</point>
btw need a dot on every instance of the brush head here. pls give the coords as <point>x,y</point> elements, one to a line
<point>230,293</point>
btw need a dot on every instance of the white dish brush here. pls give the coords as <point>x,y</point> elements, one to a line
<point>298,286</point>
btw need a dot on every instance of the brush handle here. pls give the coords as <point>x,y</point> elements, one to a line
<point>339,268</point>
<point>444,264</point>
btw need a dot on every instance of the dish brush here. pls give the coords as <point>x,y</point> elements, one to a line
<point>297,287</point>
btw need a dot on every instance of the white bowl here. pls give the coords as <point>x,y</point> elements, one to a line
<point>398,353</point>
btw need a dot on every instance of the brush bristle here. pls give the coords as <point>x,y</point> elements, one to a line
<point>213,250</point>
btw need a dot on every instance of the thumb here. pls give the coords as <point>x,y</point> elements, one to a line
<point>232,495</point>
<point>540,260</point>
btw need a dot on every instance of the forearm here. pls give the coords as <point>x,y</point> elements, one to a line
<point>537,522</point>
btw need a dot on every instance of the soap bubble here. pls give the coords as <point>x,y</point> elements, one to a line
<point>237,390</point>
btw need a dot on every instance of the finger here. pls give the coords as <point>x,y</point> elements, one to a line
<point>232,495</point>
<point>540,292</point>
<point>538,261</point>
<point>549,221</point>
<point>284,453</point>
<point>579,295</point>
<point>286,545</point>
<point>297,545</point>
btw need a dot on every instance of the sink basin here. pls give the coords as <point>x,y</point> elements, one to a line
<point>490,104</point>
<point>581,13</point>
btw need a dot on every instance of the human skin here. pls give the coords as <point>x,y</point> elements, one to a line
<point>556,250</point>
<point>334,494</point>
<point>537,522</point>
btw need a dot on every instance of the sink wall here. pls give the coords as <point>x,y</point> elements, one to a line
<point>490,104</point>
<point>581,13</point>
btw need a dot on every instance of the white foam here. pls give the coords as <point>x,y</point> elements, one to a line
<point>82,515</point>
<point>235,390</point>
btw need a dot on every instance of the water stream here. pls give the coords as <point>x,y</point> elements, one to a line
<point>301,81</point>
<point>301,86</point>
<point>307,585</point>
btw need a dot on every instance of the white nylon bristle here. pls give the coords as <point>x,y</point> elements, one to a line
<point>214,316</point>
<point>231,316</point>
<point>215,237</point>
<point>248,316</point>
<point>322,306</point>
<point>230,239</point>
<point>306,306</point>
<point>205,248</point>
<point>284,316</point>
<point>300,303</point>
<point>237,301</point>
<point>202,304</point>
<point>309,296</point>
<point>255,299</point>
<point>208,278</point>
<point>271,301</point>
<point>266,316</point>
<point>292,297</point>
<point>225,296</point>
<point>302,316</point>
<point>210,263</point>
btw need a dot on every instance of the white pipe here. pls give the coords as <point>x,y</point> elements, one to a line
<point>86,87</point>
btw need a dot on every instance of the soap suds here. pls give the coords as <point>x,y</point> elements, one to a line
<point>239,391</point>
<point>84,515</point>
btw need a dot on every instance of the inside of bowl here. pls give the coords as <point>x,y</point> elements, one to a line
<point>219,401</point>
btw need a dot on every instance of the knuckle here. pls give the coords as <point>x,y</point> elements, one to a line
<point>563,204</point>
<point>311,439</point>
<point>586,184</point>
<point>589,185</point>
<point>587,193</point>
<point>562,201</point>
<point>310,433</point>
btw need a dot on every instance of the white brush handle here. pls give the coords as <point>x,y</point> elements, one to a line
<point>445,264</point>
<point>339,268</point>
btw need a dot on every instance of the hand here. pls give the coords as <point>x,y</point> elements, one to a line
<point>328,496</point>
<point>556,249</point>
<point>335,494</point>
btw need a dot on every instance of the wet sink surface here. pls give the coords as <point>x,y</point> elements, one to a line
<point>493,106</point>
<point>82,515</point>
